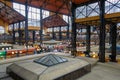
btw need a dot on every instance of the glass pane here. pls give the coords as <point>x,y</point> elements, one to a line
<point>89,10</point>
<point>33,9</point>
<point>38,10</point>
<point>97,9</point>
<point>29,15</point>
<point>38,23</point>
<point>33,16</point>
<point>2,29</point>
<point>17,10</point>
<point>38,16</point>
<point>93,5</point>
<point>65,18</point>
<point>116,9</point>
<point>23,12</point>
<point>93,14</point>
<point>16,5</point>
<point>50,60</point>
<point>118,4</point>
<point>22,7</point>
<point>30,9</point>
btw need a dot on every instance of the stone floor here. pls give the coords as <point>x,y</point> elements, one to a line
<point>100,71</point>
<point>3,75</point>
<point>103,71</point>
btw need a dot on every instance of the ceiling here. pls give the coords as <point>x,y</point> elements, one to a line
<point>58,6</point>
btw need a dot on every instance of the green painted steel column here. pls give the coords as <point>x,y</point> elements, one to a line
<point>19,32</point>
<point>13,30</point>
<point>102,32</point>
<point>26,23</point>
<point>60,34</point>
<point>53,33</point>
<point>73,35</point>
<point>88,40</point>
<point>113,35</point>
<point>33,33</point>
<point>41,27</point>
<point>68,32</point>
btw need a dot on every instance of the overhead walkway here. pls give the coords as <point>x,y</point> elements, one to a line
<point>95,20</point>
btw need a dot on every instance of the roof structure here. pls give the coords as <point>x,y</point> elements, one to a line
<point>50,60</point>
<point>9,15</point>
<point>54,21</point>
<point>59,6</point>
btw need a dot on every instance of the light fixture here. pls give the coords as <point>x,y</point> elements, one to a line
<point>6,48</point>
<point>20,51</point>
<point>3,49</point>
<point>38,49</point>
<point>9,47</point>
<point>13,52</point>
<point>94,55</point>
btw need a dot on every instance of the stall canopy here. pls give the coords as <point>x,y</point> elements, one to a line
<point>9,15</point>
<point>54,21</point>
<point>58,6</point>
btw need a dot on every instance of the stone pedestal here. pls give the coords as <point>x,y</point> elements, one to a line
<point>29,70</point>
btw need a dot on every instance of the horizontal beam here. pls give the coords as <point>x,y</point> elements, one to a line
<point>65,31</point>
<point>33,28</point>
<point>29,28</point>
<point>97,18</point>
